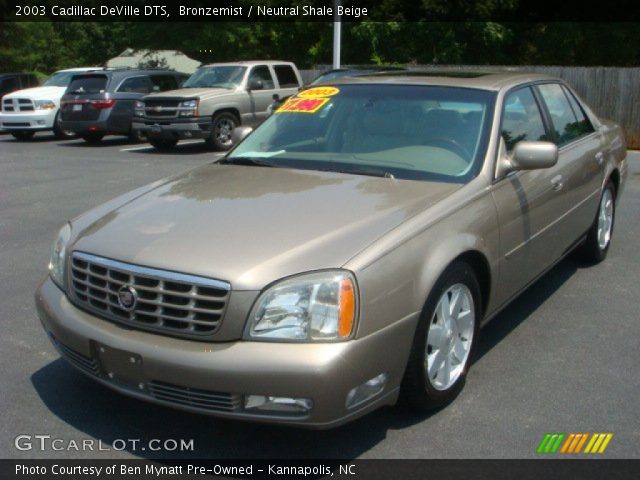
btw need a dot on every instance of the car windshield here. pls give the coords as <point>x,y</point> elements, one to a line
<point>220,77</point>
<point>59,79</point>
<point>403,131</point>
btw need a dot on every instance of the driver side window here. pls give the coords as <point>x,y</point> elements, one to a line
<point>521,119</point>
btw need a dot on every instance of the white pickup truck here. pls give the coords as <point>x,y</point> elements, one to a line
<point>32,110</point>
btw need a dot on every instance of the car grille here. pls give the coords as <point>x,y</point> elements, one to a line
<point>167,302</point>
<point>161,108</point>
<point>194,397</point>
<point>17,105</point>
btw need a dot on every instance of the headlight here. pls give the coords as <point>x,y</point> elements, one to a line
<point>318,306</point>
<point>45,104</point>
<point>58,254</point>
<point>138,109</point>
<point>188,108</point>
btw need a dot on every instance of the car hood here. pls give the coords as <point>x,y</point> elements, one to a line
<point>201,93</point>
<point>39,93</point>
<point>253,225</point>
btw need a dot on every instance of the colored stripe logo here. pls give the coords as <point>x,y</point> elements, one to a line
<point>573,443</point>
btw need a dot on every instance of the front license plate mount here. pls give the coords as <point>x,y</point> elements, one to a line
<point>120,366</point>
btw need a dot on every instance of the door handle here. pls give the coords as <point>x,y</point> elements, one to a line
<point>599,158</point>
<point>557,183</point>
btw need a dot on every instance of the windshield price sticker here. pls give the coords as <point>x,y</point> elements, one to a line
<point>319,92</point>
<point>302,105</point>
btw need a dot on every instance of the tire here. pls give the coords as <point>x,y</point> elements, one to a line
<point>595,248</point>
<point>222,125</point>
<point>23,136</point>
<point>93,138</point>
<point>163,144</point>
<point>136,136</point>
<point>425,385</point>
<point>58,132</point>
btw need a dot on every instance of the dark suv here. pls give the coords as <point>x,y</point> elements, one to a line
<point>10,82</point>
<point>102,102</point>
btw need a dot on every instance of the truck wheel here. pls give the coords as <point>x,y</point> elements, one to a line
<point>58,132</point>
<point>94,137</point>
<point>222,125</point>
<point>22,136</point>
<point>163,144</point>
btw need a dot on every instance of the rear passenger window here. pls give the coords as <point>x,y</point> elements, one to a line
<point>585,126</point>
<point>286,76</point>
<point>134,85</point>
<point>521,119</point>
<point>163,83</point>
<point>566,124</point>
<point>263,74</point>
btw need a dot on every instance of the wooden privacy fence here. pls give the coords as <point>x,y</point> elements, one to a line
<point>612,92</point>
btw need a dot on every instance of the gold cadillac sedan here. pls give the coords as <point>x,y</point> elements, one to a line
<point>344,255</point>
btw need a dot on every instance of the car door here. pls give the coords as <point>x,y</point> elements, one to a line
<point>526,201</point>
<point>260,99</point>
<point>580,161</point>
<point>127,93</point>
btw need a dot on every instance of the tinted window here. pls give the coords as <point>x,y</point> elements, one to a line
<point>88,84</point>
<point>135,85</point>
<point>263,74</point>
<point>162,83</point>
<point>584,123</point>
<point>412,132</point>
<point>521,119</point>
<point>286,76</point>
<point>9,84</point>
<point>565,123</point>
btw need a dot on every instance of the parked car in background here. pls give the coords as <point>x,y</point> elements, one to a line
<point>103,102</point>
<point>10,82</point>
<point>213,101</point>
<point>26,112</point>
<point>343,254</point>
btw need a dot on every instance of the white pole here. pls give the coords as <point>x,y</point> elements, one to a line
<point>337,33</point>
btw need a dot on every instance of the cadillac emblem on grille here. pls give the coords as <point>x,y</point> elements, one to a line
<point>127,297</point>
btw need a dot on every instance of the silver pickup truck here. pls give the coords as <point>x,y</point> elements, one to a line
<point>213,101</point>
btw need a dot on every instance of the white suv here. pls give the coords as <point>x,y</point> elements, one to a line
<point>32,110</point>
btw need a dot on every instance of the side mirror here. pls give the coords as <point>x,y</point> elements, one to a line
<point>529,156</point>
<point>255,84</point>
<point>240,133</point>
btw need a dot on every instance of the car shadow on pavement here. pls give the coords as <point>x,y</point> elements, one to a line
<point>114,141</point>
<point>193,147</point>
<point>105,415</point>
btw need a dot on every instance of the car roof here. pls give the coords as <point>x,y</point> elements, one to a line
<point>249,63</point>
<point>485,80</point>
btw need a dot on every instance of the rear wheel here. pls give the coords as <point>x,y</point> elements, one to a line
<point>94,137</point>
<point>22,136</point>
<point>221,127</point>
<point>163,144</point>
<point>596,246</point>
<point>444,341</point>
<point>59,133</point>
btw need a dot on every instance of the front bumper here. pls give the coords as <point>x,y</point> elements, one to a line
<point>32,121</point>
<point>173,129</point>
<point>322,372</point>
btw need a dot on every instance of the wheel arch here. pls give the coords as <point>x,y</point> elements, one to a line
<point>232,110</point>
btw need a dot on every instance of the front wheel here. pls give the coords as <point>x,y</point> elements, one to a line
<point>595,248</point>
<point>221,127</point>
<point>93,138</point>
<point>164,144</point>
<point>22,136</point>
<point>444,341</point>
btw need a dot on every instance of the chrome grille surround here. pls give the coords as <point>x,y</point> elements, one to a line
<point>167,302</point>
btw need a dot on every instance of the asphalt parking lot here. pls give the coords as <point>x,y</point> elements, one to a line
<point>562,358</point>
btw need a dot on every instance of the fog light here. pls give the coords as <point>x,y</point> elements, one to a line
<point>277,404</point>
<point>40,122</point>
<point>367,390</point>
